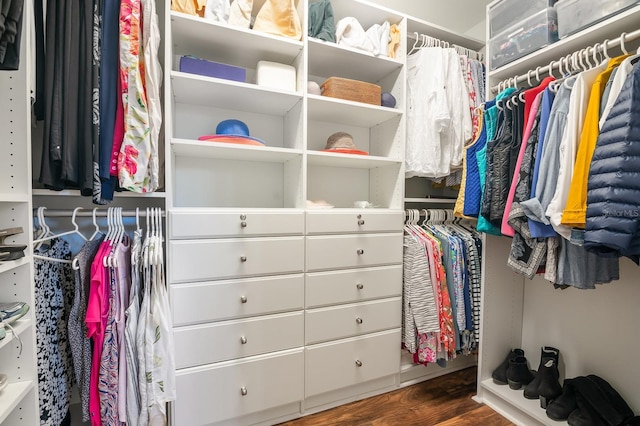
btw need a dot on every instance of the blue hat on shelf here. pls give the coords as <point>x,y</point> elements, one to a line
<point>233,131</point>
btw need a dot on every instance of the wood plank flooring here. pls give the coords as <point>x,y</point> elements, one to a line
<point>443,401</point>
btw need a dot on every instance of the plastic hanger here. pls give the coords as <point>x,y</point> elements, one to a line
<point>414,48</point>
<point>95,224</point>
<point>75,230</point>
<point>622,46</point>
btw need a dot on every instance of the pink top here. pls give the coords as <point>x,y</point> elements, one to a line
<point>506,228</point>
<point>118,133</point>
<point>95,327</point>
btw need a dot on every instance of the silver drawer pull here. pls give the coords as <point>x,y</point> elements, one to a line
<point>243,217</point>
<point>243,391</point>
<point>243,340</point>
<point>243,258</point>
<point>359,286</point>
<point>359,320</point>
<point>361,222</point>
<point>358,363</point>
<point>243,224</point>
<point>243,299</point>
<point>360,251</point>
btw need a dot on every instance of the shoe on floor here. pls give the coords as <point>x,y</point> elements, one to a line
<point>10,312</point>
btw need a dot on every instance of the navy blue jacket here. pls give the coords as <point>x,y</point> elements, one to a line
<point>613,198</point>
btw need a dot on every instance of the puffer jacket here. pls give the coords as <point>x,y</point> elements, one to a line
<point>613,198</point>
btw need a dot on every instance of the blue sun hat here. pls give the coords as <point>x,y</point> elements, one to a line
<point>233,131</point>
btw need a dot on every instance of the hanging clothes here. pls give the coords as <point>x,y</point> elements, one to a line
<point>54,289</point>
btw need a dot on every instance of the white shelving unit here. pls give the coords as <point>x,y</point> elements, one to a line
<point>585,325</point>
<point>19,400</point>
<point>246,255</point>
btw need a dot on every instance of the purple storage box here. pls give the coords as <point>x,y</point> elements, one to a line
<point>212,69</point>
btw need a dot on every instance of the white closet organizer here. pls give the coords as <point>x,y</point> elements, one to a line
<point>280,310</point>
<point>19,400</point>
<point>595,330</point>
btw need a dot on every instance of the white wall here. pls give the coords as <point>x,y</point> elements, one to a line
<point>464,16</point>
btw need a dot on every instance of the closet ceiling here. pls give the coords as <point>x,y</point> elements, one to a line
<point>446,14</point>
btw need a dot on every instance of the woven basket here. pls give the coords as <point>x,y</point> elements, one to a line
<point>351,90</point>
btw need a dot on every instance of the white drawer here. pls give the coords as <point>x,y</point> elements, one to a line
<point>337,365</point>
<point>352,251</point>
<point>342,321</point>
<point>194,303</point>
<point>205,344</point>
<point>219,259</point>
<point>222,391</point>
<point>324,222</point>
<point>206,223</point>
<point>328,288</point>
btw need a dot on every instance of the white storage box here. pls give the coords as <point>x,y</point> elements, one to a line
<point>276,76</point>
<point>574,15</point>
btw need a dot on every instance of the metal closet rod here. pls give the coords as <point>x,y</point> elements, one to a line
<point>415,36</point>
<point>89,213</point>
<point>547,69</point>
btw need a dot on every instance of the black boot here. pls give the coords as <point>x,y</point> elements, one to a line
<point>518,373</point>
<point>561,407</point>
<point>584,415</point>
<point>549,387</point>
<point>547,352</point>
<point>499,375</point>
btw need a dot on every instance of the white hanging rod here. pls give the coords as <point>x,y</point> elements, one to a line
<point>99,213</point>
<point>578,55</point>
<point>415,36</point>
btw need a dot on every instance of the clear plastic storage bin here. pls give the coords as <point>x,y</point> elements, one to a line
<point>506,13</point>
<point>574,15</point>
<point>523,38</point>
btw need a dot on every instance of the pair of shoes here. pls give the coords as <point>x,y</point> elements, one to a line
<point>590,401</point>
<point>11,251</point>
<point>546,385</point>
<point>514,370</point>
<point>10,312</point>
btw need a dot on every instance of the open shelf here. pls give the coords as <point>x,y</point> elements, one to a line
<point>233,45</point>
<point>14,198</point>
<point>231,95</point>
<point>12,396</point>
<point>9,265</point>
<point>226,151</point>
<point>332,110</point>
<point>423,27</point>
<point>19,327</point>
<point>607,29</point>
<point>449,201</point>
<point>515,399</point>
<point>76,193</point>
<point>330,159</point>
<point>330,59</point>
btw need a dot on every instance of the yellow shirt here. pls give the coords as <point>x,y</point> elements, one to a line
<point>575,211</point>
<point>192,7</point>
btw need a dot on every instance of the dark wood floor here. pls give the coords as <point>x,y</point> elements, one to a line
<point>444,401</point>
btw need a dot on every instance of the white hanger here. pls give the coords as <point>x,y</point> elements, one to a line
<point>622,46</point>
<point>95,223</point>
<point>76,229</point>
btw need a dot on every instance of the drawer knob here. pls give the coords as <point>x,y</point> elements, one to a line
<point>361,222</point>
<point>243,340</point>
<point>359,286</point>
<point>243,299</point>
<point>243,224</point>
<point>243,258</point>
<point>360,251</point>
<point>359,320</point>
<point>359,216</point>
<point>243,391</point>
<point>358,363</point>
<point>243,217</point>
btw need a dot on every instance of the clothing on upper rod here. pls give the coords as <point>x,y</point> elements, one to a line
<point>101,108</point>
<point>444,90</point>
<point>104,324</point>
<point>441,288</point>
<point>554,181</point>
